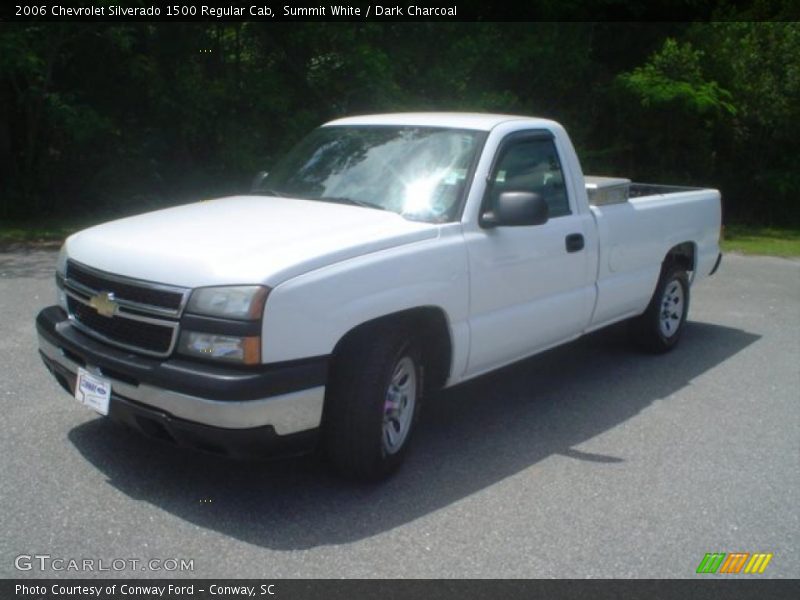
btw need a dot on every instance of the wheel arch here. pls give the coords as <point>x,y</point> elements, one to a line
<point>683,255</point>
<point>428,325</point>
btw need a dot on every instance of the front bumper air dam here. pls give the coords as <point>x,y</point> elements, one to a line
<point>273,410</point>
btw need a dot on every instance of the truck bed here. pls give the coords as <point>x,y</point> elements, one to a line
<point>637,190</point>
<point>603,191</point>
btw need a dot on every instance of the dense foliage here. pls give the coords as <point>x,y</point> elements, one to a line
<point>123,117</point>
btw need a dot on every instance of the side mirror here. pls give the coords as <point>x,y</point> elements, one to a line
<point>516,209</point>
<point>258,180</point>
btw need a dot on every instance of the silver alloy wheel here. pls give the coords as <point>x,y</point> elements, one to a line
<point>398,408</point>
<point>671,309</point>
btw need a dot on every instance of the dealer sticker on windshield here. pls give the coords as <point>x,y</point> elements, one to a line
<point>93,391</point>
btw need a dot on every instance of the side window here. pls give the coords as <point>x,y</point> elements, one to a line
<point>531,165</point>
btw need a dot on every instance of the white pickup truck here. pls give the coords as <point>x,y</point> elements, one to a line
<point>383,258</point>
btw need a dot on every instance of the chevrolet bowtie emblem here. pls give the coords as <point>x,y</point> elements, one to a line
<point>104,304</point>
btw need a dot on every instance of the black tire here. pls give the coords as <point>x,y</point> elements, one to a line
<point>356,402</point>
<point>657,330</point>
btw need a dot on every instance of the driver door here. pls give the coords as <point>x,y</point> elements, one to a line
<point>530,286</point>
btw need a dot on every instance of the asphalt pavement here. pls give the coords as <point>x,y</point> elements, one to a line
<point>591,460</point>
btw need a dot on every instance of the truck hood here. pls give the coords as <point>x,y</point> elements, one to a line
<point>240,240</point>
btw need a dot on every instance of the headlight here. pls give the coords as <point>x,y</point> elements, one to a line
<point>231,302</point>
<point>242,350</point>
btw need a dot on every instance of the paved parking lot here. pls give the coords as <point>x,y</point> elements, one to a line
<point>591,460</point>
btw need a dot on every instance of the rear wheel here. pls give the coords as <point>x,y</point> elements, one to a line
<point>660,327</point>
<point>373,403</point>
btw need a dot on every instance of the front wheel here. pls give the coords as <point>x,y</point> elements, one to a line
<point>660,327</point>
<point>373,403</point>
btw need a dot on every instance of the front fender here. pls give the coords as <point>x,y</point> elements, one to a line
<point>307,315</point>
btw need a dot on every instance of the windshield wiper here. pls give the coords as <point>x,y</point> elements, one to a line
<point>350,201</point>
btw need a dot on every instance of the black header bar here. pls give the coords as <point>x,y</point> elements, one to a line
<point>398,10</point>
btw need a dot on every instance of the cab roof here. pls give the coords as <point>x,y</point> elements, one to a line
<point>454,120</point>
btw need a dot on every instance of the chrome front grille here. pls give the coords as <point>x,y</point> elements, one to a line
<point>130,313</point>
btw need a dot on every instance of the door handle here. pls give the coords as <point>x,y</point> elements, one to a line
<point>574,242</point>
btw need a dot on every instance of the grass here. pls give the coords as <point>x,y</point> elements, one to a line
<point>41,232</point>
<point>738,238</point>
<point>762,240</point>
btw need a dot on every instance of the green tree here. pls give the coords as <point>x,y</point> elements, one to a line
<point>759,159</point>
<point>673,114</point>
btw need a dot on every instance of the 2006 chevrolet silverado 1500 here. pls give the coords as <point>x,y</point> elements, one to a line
<point>384,257</point>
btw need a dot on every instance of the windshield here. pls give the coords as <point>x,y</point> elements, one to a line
<point>418,172</point>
